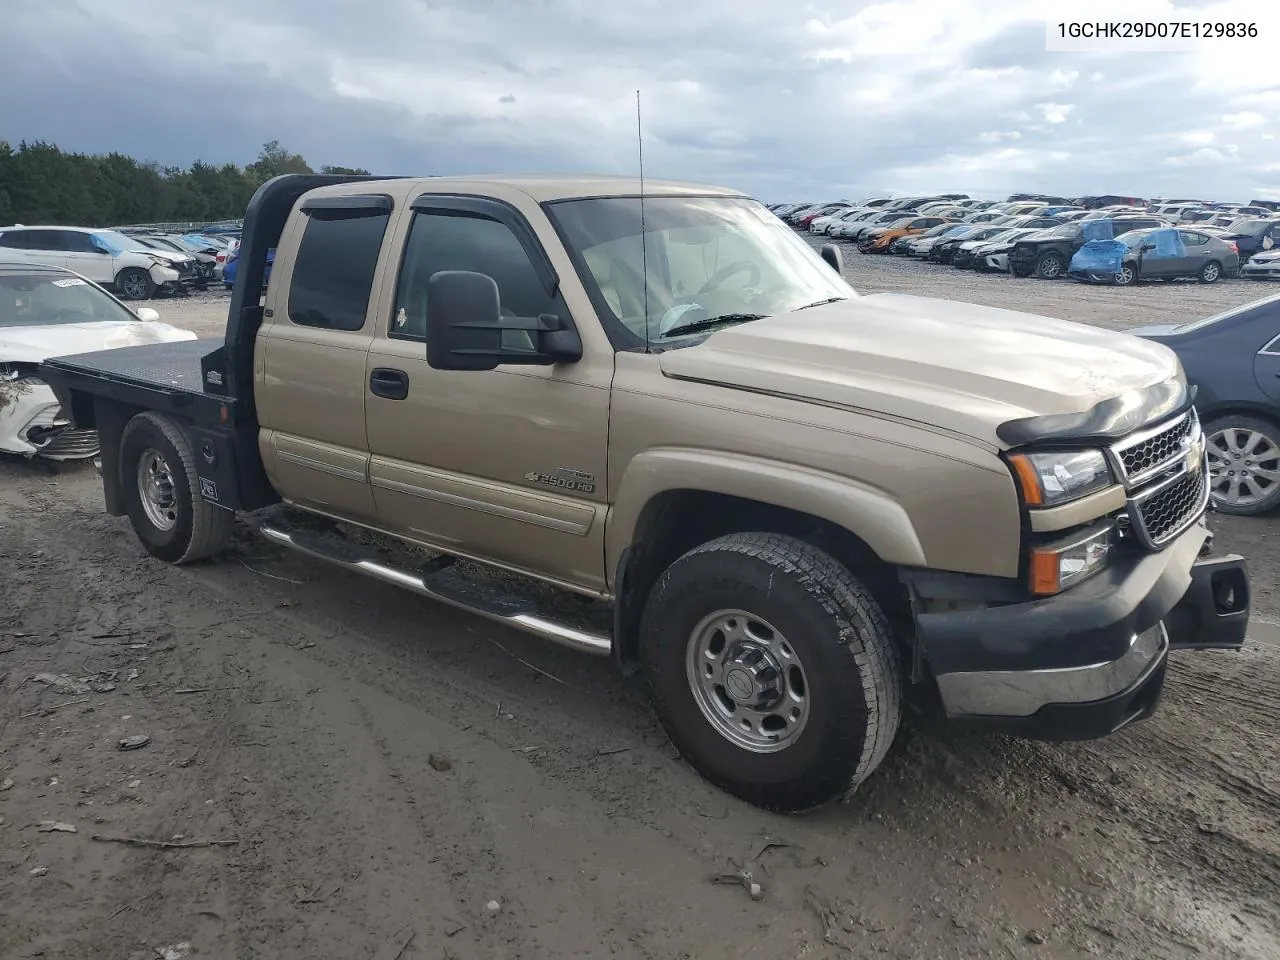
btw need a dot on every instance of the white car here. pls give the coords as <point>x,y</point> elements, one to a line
<point>48,311</point>
<point>134,270</point>
<point>1262,266</point>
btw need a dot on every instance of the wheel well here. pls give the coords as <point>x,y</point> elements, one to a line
<point>1257,413</point>
<point>676,521</point>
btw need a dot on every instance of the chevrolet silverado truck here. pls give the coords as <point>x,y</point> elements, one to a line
<point>788,504</point>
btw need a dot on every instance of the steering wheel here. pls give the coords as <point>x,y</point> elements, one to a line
<point>724,273</point>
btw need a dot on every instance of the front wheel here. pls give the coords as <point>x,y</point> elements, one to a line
<point>1244,464</point>
<point>773,670</point>
<point>134,283</point>
<point>1126,276</point>
<point>161,487</point>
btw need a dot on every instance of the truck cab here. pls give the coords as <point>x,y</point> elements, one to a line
<point>794,504</point>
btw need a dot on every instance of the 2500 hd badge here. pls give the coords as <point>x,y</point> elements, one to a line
<point>565,478</point>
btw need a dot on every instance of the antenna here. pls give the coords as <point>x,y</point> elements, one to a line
<point>644,244</point>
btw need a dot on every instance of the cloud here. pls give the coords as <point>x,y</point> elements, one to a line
<point>1243,120</point>
<point>805,100</point>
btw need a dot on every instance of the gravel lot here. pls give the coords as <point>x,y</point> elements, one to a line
<point>390,774</point>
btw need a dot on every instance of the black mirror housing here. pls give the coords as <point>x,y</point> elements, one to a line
<point>831,254</point>
<point>465,327</point>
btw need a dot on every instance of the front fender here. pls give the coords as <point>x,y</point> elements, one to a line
<point>871,514</point>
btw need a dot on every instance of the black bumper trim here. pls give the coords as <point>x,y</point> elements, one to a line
<point>1090,623</point>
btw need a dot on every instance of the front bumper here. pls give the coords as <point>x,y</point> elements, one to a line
<point>1267,270</point>
<point>1084,663</point>
<point>32,425</point>
<point>997,261</point>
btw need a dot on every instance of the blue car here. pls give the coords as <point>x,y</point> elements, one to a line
<point>229,269</point>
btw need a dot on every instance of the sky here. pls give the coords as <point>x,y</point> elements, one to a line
<point>785,100</point>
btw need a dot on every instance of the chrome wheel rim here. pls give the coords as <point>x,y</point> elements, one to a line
<point>1210,273</point>
<point>748,681</point>
<point>135,286</point>
<point>1050,268</point>
<point>156,491</point>
<point>1125,276</point>
<point>1244,466</point>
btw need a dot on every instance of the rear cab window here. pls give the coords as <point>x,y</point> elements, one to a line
<point>337,259</point>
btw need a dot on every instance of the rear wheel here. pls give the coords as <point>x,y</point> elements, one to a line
<point>134,283</point>
<point>1244,464</point>
<point>161,488</point>
<point>773,670</point>
<point>1211,272</point>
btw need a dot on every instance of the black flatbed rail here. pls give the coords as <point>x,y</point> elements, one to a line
<point>166,377</point>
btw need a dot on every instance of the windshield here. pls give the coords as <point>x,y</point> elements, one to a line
<point>703,258</point>
<point>119,242</point>
<point>28,300</point>
<point>1068,231</point>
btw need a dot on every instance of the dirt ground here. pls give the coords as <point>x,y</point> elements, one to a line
<point>388,778</point>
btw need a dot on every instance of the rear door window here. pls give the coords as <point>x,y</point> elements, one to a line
<point>333,272</point>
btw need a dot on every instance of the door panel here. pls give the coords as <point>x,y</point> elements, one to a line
<point>88,259</point>
<point>313,397</point>
<point>310,379</point>
<point>505,465</point>
<point>1266,368</point>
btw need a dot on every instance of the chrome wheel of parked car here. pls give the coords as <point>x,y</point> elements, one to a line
<point>747,681</point>
<point>1210,273</point>
<point>1244,465</point>
<point>155,490</point>
<point>1126,276</point>
<point>1049,266</point>
<point>135,283</point>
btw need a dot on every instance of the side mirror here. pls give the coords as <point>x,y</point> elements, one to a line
<point>1148,246</point>
<point>831,254</point>
<point>465,327</point>
<point>147,314</point>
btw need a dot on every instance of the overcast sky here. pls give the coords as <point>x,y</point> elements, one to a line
<point>788,100</point>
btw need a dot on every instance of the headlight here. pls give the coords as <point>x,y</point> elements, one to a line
<point>1048,479</point>
<point>1055,567</point>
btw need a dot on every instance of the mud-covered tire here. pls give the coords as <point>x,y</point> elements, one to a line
<point>836,630</point>
<point>134,283</point>
<point>198,529</point>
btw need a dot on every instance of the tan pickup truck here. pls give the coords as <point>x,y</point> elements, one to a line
<point>796,504</point>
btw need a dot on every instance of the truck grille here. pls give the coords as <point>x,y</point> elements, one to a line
<point>1147,453</point>
<point>1163,512</point>
<point>1165,471</point>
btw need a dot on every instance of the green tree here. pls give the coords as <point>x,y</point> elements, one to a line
<point>346,171</point>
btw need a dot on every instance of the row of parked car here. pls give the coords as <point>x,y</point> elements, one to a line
<point>1117,243</point>
<point>136,264</point>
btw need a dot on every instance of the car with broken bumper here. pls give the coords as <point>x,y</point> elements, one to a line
<point>45,311</point>
<point>790,503</point>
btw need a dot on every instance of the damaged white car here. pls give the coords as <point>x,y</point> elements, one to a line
<point>48,311</point>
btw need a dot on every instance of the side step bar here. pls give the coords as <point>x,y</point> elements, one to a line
<point>581,640</point>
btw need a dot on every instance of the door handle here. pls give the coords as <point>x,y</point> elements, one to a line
<point>388,383</point>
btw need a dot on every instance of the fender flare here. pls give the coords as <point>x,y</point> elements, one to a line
<point>867,512</point>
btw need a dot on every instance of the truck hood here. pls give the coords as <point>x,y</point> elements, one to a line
<point>957,366</point>
<point>36,344</point>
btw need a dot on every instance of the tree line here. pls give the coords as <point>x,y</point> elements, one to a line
<point>40,183</point>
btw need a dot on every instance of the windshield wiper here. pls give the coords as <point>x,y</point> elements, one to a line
<point>696,325</point>
<point>820,303</point>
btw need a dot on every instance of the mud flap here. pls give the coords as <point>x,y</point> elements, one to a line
<point>1214,612</point>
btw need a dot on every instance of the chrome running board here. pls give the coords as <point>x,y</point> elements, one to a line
<point>507,610</point>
